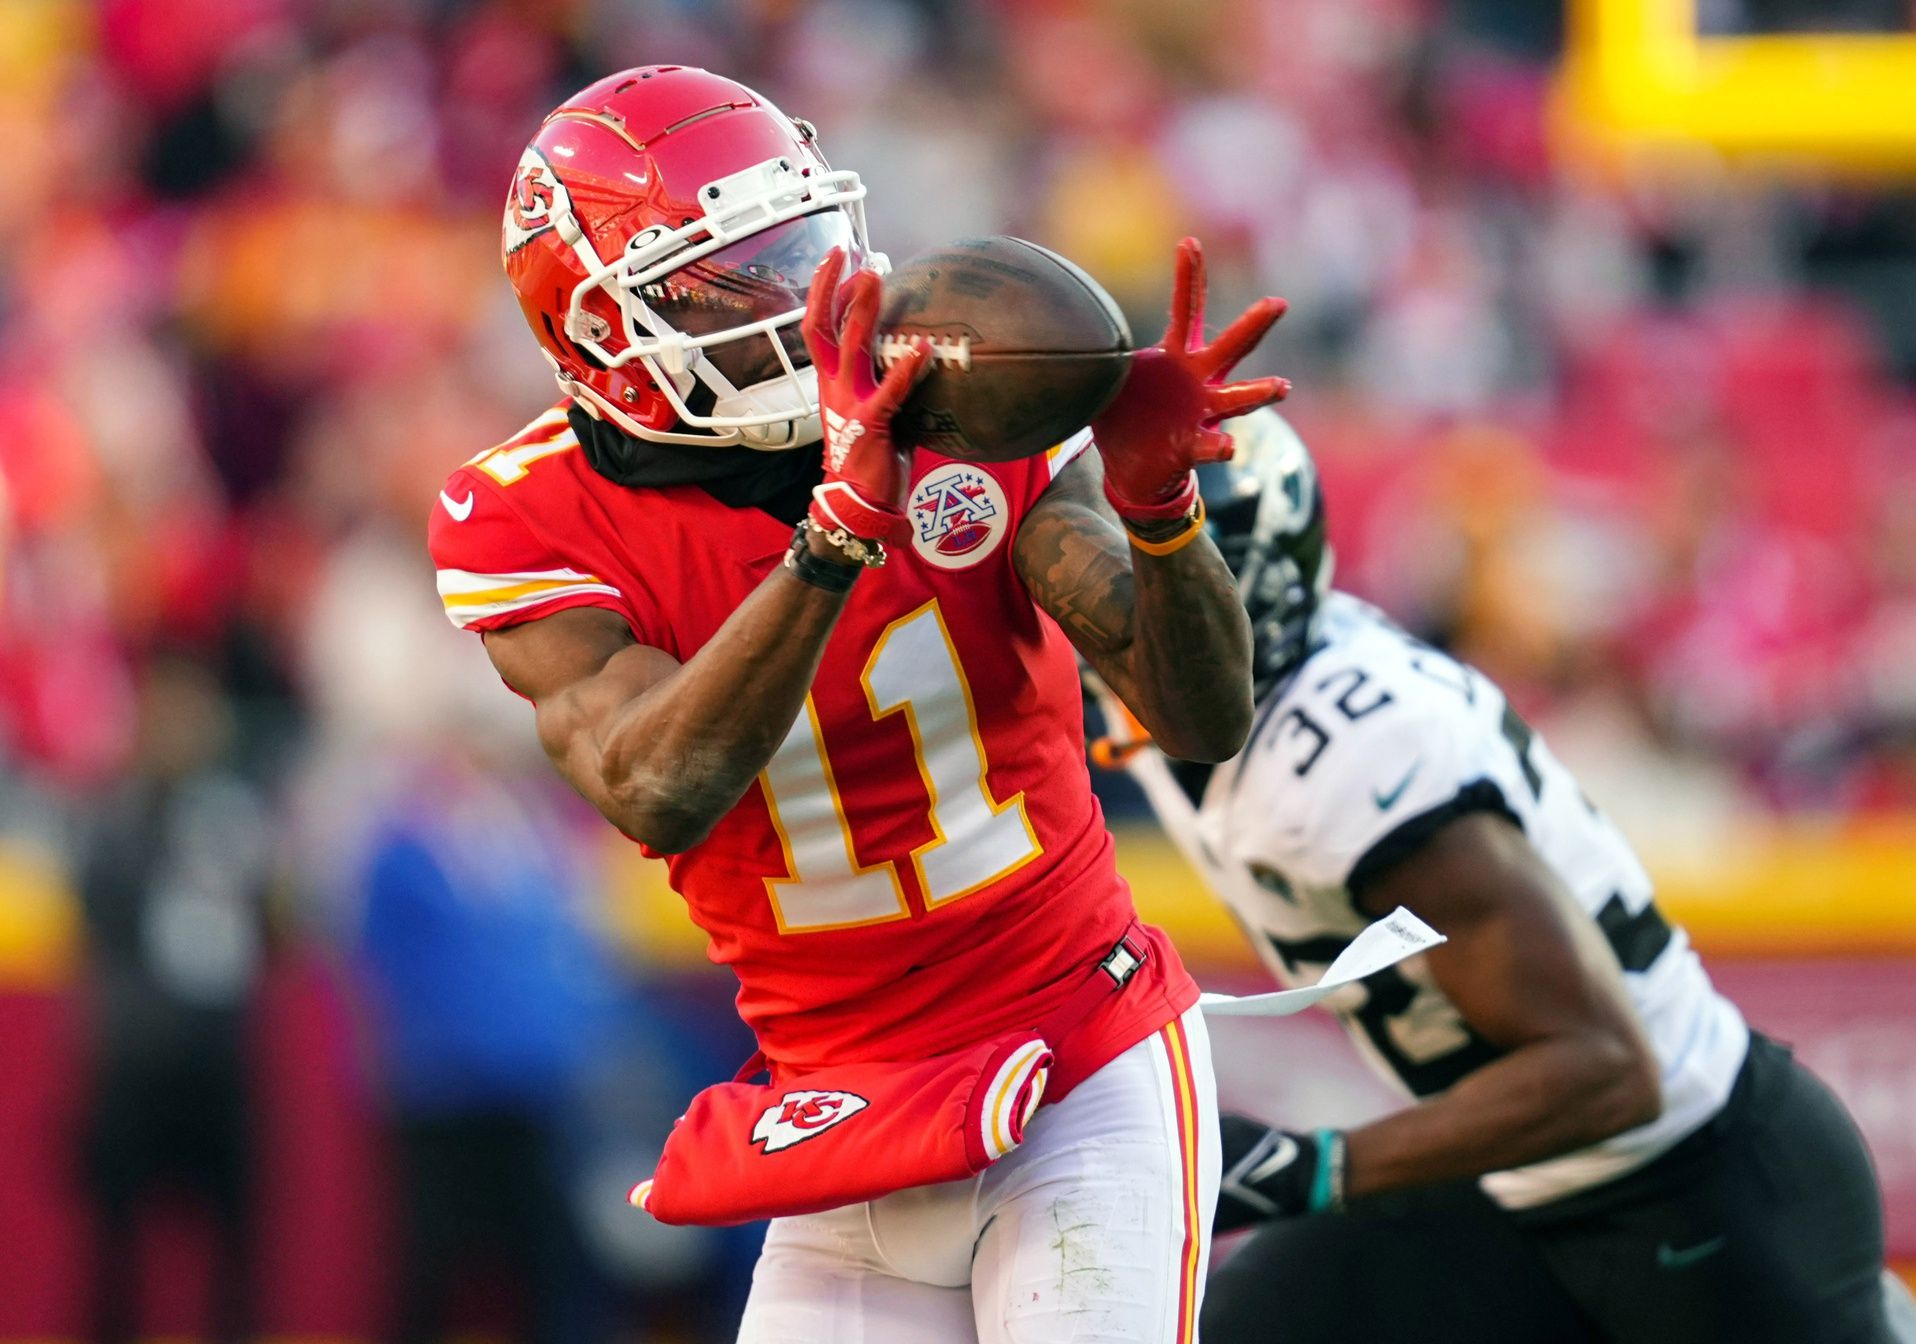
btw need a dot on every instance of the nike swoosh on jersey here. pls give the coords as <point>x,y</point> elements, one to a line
<point>1384,801</point>
<point>1669,1257</point>
<point>460,509</point>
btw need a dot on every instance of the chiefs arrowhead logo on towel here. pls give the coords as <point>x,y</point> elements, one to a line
<point>802,1115</point>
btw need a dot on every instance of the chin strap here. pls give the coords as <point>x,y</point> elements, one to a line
<point>805,427</point>
<point>801,433</point>
<point>802,429</point>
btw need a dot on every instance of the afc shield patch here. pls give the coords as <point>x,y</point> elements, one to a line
<point>798,1116</point>
<point>959,516</point>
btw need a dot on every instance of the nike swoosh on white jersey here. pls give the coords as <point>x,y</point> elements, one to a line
<point>1385,801</point>
<point>460,509</point>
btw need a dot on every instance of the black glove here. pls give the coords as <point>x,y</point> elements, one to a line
<point>1276,1173</point>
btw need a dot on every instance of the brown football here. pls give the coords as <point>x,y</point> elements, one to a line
<point>1026,348</point>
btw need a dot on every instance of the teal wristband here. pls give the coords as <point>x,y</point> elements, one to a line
<point>1327,1182</point>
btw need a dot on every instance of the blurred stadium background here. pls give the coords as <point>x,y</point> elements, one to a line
<point>316,991</point>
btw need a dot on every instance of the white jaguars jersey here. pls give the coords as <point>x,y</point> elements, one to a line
<point>1371,744</point>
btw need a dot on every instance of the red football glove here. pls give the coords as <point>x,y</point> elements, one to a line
<point>865,473</point>
<point>1164,421</point>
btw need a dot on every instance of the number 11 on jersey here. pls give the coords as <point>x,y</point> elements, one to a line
<point>913,670</point>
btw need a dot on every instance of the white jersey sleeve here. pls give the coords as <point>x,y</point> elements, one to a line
<point>1353,766</point>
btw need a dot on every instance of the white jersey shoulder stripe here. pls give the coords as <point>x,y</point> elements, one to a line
<point>469,597</point>
<point>465,582</point>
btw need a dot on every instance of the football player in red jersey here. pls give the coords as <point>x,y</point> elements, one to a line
<point>867,779</point>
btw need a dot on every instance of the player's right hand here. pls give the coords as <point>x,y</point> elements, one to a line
<point>863,493</point>
<point>1275,1173</point>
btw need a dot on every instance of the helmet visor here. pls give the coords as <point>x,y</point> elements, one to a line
<point>759,278</point>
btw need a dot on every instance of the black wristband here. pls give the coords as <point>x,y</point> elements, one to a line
<point>808,568</point>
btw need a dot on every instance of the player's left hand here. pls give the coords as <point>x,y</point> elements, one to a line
<point>1164,421</point>
<point>1276,1173</point>
<point>865,472</point>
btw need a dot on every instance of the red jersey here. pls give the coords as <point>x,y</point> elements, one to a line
<point>922,865</point>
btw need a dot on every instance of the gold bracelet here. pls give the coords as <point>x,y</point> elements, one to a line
<point>1193,527</point>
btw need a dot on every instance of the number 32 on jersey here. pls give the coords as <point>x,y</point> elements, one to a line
<point>913,670</point>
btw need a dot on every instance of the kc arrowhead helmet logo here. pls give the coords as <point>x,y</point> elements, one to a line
<point>537,202</point>
<point>798,1116</point>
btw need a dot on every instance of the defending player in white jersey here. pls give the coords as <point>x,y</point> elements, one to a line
<point>1601,1149</point>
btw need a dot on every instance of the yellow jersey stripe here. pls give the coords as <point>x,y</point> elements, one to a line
<point>513,592</point>
<point>463,609</point>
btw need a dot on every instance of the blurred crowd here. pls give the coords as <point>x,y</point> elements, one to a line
<point>1645,452</point>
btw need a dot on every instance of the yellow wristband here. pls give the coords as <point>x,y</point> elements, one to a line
<point>1174,544</point>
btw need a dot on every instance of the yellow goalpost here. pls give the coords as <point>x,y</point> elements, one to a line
<point>1642,89</point>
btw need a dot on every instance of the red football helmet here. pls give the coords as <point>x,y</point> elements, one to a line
<point>661,233</point>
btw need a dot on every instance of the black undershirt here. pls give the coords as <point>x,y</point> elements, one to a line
<point>778,483</point>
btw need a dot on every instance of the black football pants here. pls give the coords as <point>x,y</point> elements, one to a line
<point>1766,1225</point>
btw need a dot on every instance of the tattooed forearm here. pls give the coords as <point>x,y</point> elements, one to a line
<point>1191,659</point>
<point>1079,574</point>
<point>1166,633</point>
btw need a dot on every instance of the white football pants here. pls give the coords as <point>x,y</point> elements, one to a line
<point>1096,1230</point>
